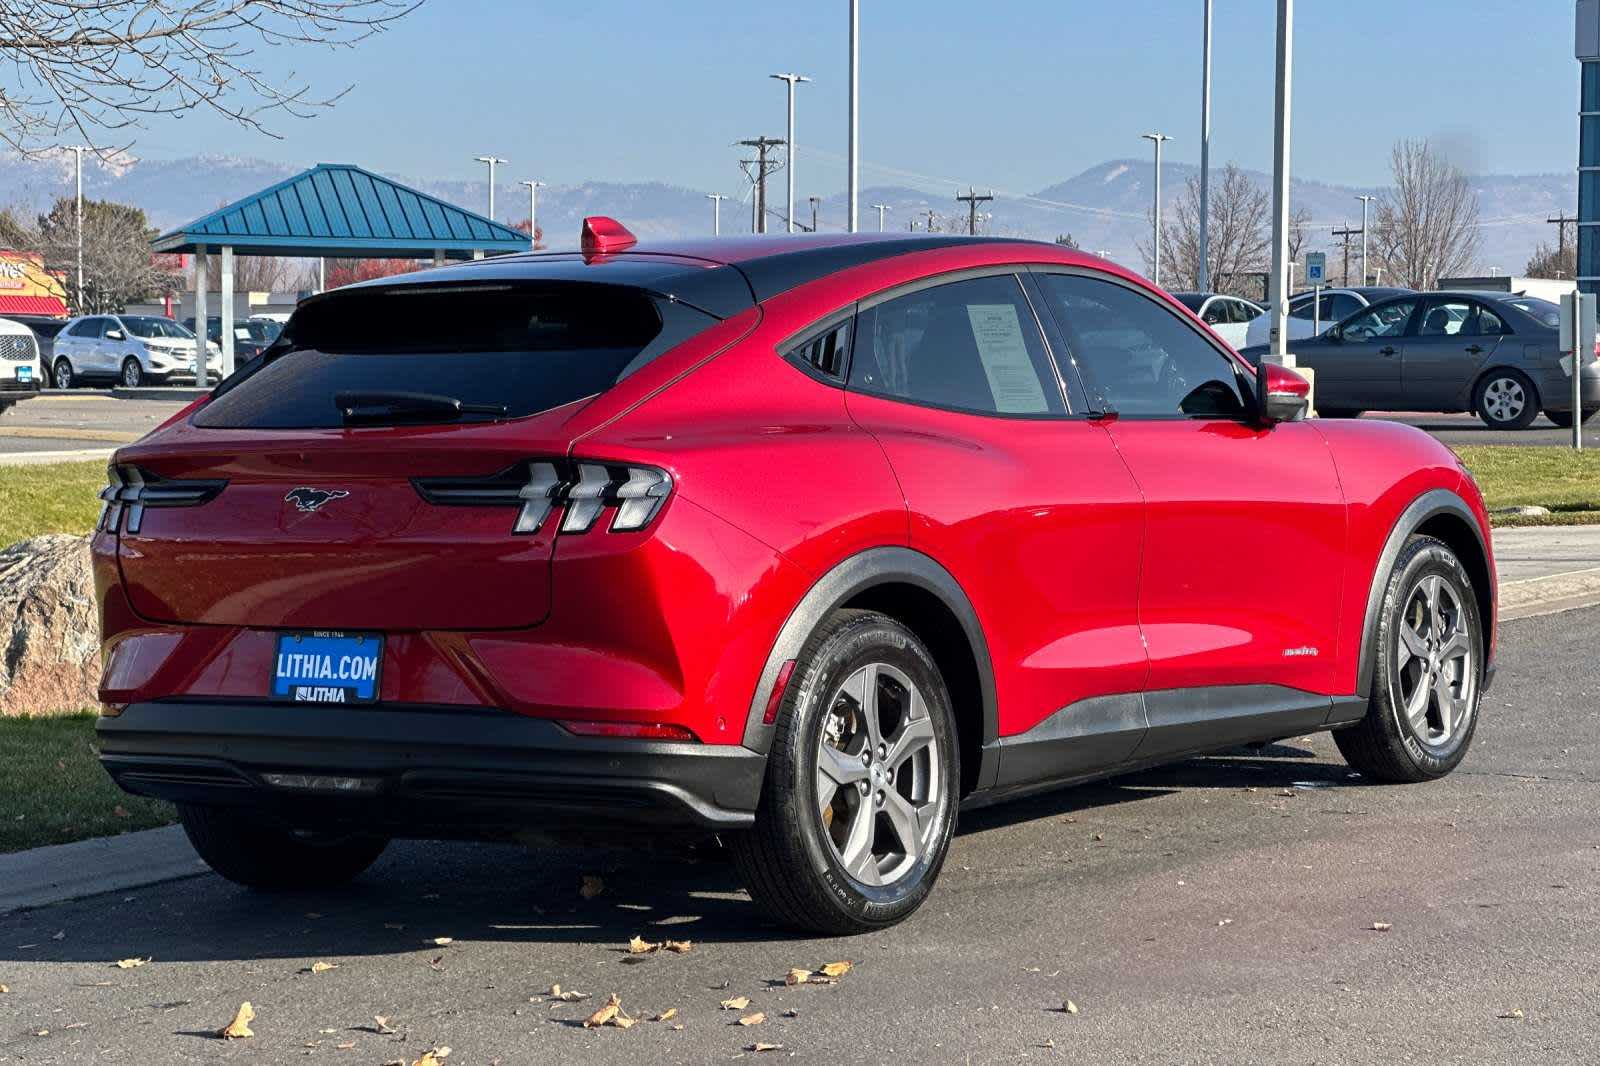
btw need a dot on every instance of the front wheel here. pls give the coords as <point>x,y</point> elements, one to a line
<point>1564,418</point>
<point>132,373</point>
<point>62,372</point>
<point>1506,399</point>
<point>1428,673</point>
<point>859,802</point>
<point>251,853</point>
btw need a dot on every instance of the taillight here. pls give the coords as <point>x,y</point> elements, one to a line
<point>628,730</point>
<point>584,489</point>
<point>131,490</point>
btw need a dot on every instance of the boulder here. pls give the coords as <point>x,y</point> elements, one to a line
<point>49,628</point>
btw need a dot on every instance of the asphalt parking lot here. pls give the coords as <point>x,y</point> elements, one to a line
<point>1249,907</point>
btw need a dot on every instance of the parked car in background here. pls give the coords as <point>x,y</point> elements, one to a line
<point>130,350</point>
<point>1496,355</point>
<point>44,329</point>
<point>20,374</point>
<point>803,542</point>
<point>1308,316</point>
<point>250,336</point>
<point>1228,316</point>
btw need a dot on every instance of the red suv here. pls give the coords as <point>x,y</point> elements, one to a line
<point>805,542</point>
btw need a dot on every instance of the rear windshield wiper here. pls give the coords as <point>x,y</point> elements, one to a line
<point>409,407</point>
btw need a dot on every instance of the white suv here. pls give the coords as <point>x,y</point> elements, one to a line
<point>130,350</point>
<point>20,374</point>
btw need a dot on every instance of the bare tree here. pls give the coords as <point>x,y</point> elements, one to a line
<point>1238,239</point>
<point>1299,220</point>
<point>252,273</point>
<point>1426,226</point>
<point>1548,262</point>
<point>117,264</point>
<point>92,70</point>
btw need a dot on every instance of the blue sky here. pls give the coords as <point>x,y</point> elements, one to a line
<point>1016,94</point>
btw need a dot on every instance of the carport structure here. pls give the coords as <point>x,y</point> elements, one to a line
<point>333,210</point>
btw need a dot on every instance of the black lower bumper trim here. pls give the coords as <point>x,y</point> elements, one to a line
<point>427,771</point>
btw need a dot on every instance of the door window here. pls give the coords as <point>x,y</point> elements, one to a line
<point>1137,357</point>
<point>971,345</point>
<point>1340,306</point>
<point>1381,320</point>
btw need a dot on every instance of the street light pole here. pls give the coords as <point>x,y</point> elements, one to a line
<point>1204,278</point>
<point>854,183</point>
<point>1279,334</point>
<point>880,208</point>
<point>491,160</point>
<point>792,80</point>
<point>1365,200</point>
<point>533,213</point>
<point>716,199</point>
<point>1155,248</point>
<point>78,150</point>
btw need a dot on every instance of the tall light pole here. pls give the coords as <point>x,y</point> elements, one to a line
<point>1155,248</point>
<point>78,150</point>
<point>1204,276</point>
<point>1365,200</point>
<point>533,213</point>
<point>855,115</point>
<point>716,199</point>
<point>880,208</point>
<point>792,80</point>
<point>1279,334</point>
<point>491,160</point>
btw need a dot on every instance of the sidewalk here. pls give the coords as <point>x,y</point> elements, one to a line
<point>1544,569</point>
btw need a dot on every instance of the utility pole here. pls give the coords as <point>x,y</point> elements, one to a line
<point>1279,294</point>
<point>814,201</point>
<point>716,199</point>
<point>792,80</point>
<point>1347,233</point>
<point>930,220</point>
<point>78,150</point>
<point>854,160</point>
<point>1155,247</point>
<point>533,213</point>
<point>880,208</point>
<point>1561,220</point>
<point>492,161</point>
<point>1204,277</point>
<point>762,145</point>
<point>1365,200</point>
<point>972,200</point>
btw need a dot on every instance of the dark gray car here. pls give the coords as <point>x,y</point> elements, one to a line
<point>1491,353</point>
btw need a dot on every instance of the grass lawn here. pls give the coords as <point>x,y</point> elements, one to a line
<point>53,790</point>
<point>49,498</point>
<point>1565,481</point>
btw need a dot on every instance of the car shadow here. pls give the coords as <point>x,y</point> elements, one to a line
<point>420,892</point>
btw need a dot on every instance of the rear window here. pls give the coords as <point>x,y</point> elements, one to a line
<point>526,347</point>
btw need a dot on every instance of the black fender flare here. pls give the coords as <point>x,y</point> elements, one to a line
<point>1429,505</point>
<point>850,578</point>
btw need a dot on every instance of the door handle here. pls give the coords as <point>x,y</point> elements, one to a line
<point>1386,350</point>
<point>1474,349</point>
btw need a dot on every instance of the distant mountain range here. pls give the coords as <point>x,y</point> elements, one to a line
<point>1104,207</point>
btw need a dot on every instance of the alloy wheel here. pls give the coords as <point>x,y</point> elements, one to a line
<point>130,373</point>
<point>879,776</point>
<point>1434,665</point>
<point>1504,399</point>
<point>63,374</point>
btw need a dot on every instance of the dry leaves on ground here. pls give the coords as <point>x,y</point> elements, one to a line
<point>442,941</point>
<point>433,1056</point>
<point>610,1014</point>
<point>239,1028</point>
<point>753,1019</point>
<point>666,1015</point>
<point>736,1003</point>
<point>381,1026</point>
<point>824,975</point>
<point>1382,927</point>
<point>758,1046</point>
<point>320,967</point>
<point>129,964</point>
<point>565,995</point>
<point>640,946</point>
<point>5,989</point>
<point>1515,1014</point>
<point>1069,1007</point>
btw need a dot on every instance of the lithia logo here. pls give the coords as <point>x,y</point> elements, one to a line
<point>309,499</point>
<point>1295,653</point>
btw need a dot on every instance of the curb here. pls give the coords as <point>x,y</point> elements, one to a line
<point>160,392</point>
<point>1549,595</point>
<point>89,867</point>
<point>32,458</point>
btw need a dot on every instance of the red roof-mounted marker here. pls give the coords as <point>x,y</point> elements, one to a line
<point>602,235</point>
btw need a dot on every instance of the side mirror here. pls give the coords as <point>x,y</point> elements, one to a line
<point>114,335</point>
<point>1281,394</point>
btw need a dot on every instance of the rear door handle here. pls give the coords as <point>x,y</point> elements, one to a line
<point>1475,349</point>
<point>1386,350</point>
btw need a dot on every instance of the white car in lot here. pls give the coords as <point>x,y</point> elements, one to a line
<point>129,350</point>
<point>1228,316</point>
<point>1306,319</point>
<point>20,374</point>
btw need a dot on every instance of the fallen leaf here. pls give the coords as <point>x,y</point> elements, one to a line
<point>600,1017</point>
<point>41,1032</point>
<point>4,989</point>
<point>1223,922</point>
<point>1514,1014</point>
<point>59,935</point>
<point>239,1028</point>
<point>736,1003</point>
<point>621,1021</point>
<point>1069,1007</point>
<point>348,1045</point>
<point>836,969</point>
<point>753,1019</point>
<point>640,946</point>
<point>130,964</point>
<point>119,811</point>
<point>797,976</point>
<point>666,1015</point>
<point>320,967</point>
<point>380,1025</point>
<point>432,1057</point>
<point>442,941</point>
<point>592,886</point>
<point>564,995</point>
<point>764,1047</point>
<point>676,1028</point>
<point>1383,927</point>
<point>679,947</point>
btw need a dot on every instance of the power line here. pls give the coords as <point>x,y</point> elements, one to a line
<point>1561,220</point>
<point>972,200</point>
<point>1347,233</point>
<point>764,166</point>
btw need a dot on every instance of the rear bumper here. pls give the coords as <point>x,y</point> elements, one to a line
<point>433,772</point>
<point>1555,389</point>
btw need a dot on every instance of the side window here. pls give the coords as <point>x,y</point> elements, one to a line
<point>825,353</point>
<point>971,345</point>
<point>1218,312</point>
<point>89,327</point>
<point>1302,308</point>
<point>1489,323</point>
<point>1448,318</point>
<point>1381,320</point>
<point>1341,305</point>
<point>1137,357</point>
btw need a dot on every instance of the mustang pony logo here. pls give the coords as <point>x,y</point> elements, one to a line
<point>309,499</point>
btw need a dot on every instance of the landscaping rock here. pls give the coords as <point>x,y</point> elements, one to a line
<point>49,629</point>
<point>1525,511</point>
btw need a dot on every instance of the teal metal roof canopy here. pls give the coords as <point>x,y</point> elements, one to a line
<point>339,210</point>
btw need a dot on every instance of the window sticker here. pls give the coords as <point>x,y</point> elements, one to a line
<point>1004,352</point>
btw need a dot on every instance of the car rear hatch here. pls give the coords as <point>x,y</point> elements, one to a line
<point>306,494</point>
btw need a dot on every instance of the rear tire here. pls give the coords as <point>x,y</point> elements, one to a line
<point>865,745</point>
<point>1506,399</point>
<point>1428,677</point>
<point>61,371</point>
<point>1564,418</point>
<point>251,853</point>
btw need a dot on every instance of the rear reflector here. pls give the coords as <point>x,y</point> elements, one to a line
<point>776,699</point>
<point>321,782</point>
<point>628,730</point>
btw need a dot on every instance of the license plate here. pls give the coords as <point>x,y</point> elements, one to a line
<point>325,667</point>
<point>24,373</point>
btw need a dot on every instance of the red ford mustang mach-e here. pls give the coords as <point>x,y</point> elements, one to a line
<point>806,542</point>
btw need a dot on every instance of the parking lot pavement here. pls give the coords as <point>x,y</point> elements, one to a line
<point>84,419</point>
<point>1255,906</point>
<point>1459,429</point>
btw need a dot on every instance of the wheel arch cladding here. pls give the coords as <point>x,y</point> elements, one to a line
<point>916,591</point>
<point>1445,516</point>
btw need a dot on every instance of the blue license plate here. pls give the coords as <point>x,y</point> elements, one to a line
<point>24,373</point>
<point>324,667</point>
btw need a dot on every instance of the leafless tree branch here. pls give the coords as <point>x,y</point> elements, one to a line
<point>1426,226</point>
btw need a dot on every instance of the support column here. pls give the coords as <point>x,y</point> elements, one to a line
<point>477,253</point>
<point>202,263</point>
<point>227,311</point>
<point>438,257</point>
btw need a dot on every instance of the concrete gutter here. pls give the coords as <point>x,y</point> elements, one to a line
<point>74,456</point>
<point>89,867</point>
